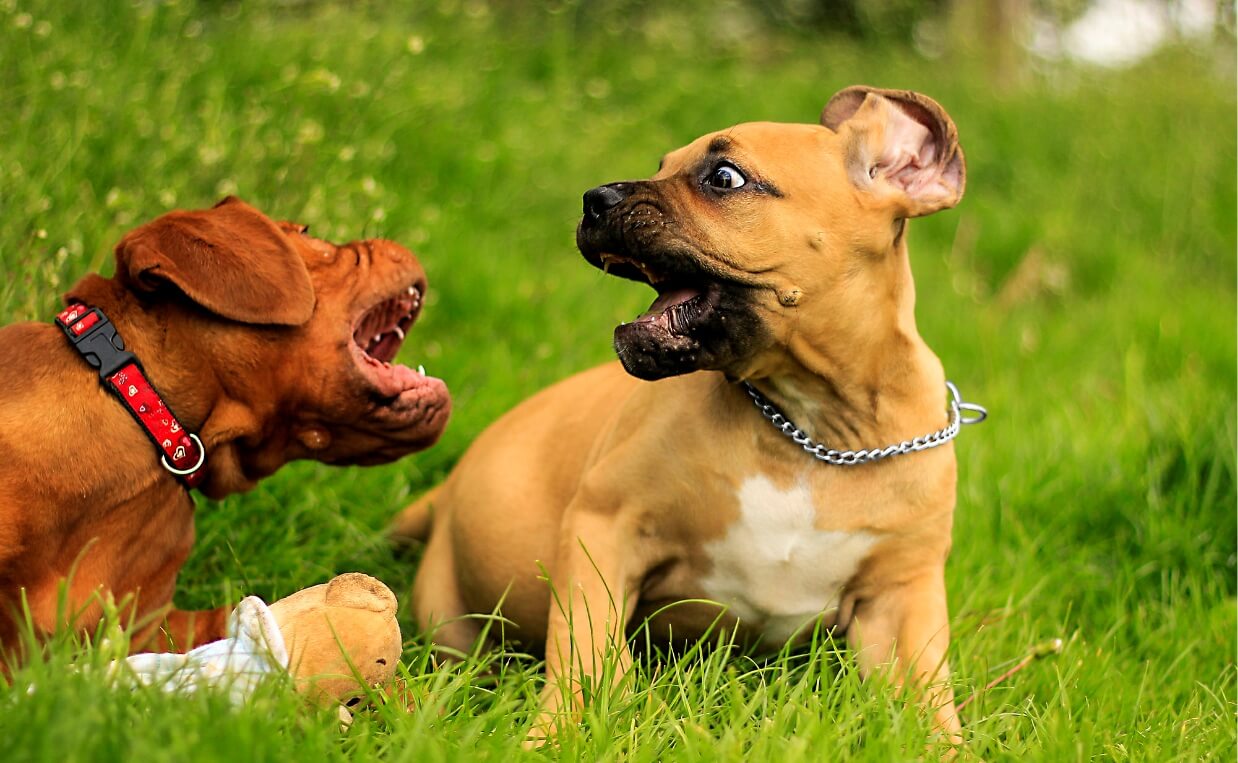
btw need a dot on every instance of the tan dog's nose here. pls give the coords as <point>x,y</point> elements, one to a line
<point>604,197</point>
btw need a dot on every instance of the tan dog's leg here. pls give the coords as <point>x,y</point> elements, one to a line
<point>437,605</point>
<point>902,633</point>
<point>413,524</point>
<point>589,610</point>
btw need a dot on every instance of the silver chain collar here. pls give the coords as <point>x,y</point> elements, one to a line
<point>856,457</point>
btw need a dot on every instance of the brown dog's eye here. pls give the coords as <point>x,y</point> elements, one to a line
<point>382,661</point>
<point>726,176</point>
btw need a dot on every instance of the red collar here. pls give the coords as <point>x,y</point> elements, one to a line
<point>94,336</point>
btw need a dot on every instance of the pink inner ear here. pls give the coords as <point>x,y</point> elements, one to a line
<point>910,161</point>
<point>909,157</point>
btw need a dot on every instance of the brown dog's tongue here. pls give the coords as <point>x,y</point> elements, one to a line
<point>667,300</point>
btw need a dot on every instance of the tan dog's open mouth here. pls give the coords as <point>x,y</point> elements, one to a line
<point>703,316</point>
<point>698,320</point>
<point>681,303</point>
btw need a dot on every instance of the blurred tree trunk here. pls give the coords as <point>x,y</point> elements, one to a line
<point>992,31</point>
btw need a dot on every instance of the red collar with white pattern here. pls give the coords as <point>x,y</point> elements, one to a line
<point>95,338</point>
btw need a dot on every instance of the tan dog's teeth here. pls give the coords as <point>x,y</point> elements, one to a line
<point>399,332</point>
<point>421,370</point>
<point>378,338</point>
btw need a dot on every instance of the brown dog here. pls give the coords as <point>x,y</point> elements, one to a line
<point>779,254</point>
<point>268,343</point>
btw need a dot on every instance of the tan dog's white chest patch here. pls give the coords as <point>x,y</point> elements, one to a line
<point>773,568</point>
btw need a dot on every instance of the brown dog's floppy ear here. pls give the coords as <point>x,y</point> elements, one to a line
<point>230,259</point>
<point>902,143</point>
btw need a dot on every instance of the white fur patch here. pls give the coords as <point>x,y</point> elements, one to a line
<point>773,568</point>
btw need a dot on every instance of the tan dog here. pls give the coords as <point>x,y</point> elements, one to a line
<point>779,254</point>
<point>268,343</point>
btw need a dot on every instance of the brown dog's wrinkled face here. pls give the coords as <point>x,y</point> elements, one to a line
<point>742,230</point>
<point>303,331</point>
<point>368,296</point>
<point>371,409</point>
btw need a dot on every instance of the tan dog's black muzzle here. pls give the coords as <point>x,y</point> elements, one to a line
<point>699,320</point>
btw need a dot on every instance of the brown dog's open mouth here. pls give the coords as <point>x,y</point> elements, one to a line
<point>391,409</point>
<point>378,334</point>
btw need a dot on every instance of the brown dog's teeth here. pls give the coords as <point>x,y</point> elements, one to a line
<point>399,332</point>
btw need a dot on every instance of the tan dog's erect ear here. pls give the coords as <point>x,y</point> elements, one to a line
<point>230,259</point>
<point>902,144</point>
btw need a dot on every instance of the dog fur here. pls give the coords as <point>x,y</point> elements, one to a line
<point>246,328</point>
<point>779,252</point>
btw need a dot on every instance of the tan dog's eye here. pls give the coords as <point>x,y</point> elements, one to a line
<point>728,176</point>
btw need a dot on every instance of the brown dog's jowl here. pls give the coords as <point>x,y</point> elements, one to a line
<point>779,255</point>
<point>271,345</point>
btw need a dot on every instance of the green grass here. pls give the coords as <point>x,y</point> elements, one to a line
<point>1097,505</point>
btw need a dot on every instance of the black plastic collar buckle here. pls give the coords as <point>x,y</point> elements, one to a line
<point>99,344</point>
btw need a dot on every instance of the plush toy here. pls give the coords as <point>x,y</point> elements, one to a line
<point>334,640</point>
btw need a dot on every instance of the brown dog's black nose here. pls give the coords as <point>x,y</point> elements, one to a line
<point>602,198</point>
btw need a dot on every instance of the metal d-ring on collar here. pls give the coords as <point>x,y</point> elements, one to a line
<point>856,457</point>
<point>186,472</point>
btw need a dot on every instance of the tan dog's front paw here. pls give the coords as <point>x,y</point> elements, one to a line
<point>552,716</point>
<point>542,734</point>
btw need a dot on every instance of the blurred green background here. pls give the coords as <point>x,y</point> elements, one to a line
<point>1084,290</point>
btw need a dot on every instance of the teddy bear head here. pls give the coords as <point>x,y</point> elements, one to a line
<point>340,635</point>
